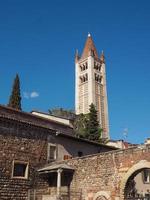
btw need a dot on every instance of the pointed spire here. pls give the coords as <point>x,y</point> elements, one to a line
<point>89,47</point>
<point>77,56</point>
<point>102,57</point>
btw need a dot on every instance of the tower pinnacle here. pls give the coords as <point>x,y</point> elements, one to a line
<point>89,46</point>
<point>76,56</point>
<point>89,35</point>
<point>102,57</point>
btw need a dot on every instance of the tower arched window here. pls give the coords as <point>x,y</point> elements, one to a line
<point>86,65</point>
<point>81,79</point>
<point>86,76</point>
<point>99,68</point>
<point>81,68</point>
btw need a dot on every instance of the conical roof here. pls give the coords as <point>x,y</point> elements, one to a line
<point>89,46</point>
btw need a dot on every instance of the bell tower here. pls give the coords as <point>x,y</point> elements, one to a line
<point>90,84</point>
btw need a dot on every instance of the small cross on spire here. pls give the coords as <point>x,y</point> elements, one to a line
<point>89,35</point>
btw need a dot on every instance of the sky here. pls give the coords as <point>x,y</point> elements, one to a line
<point>38,39</point>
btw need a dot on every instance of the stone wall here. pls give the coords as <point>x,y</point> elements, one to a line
<point>22,144</point>
<point>26,140</point>
<point>99,174</point>
<point>37,120</point>
<point>104,174</point>
<point>107,172</point>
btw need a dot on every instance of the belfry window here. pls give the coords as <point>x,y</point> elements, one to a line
<point>98,78</point>
<point>84,66</point>
<point>84,78</point>
<point>97,66</point>
<point>81,67</point>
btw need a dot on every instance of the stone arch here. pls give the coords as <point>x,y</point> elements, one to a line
<point>102,195</point>
<point>101,198</point>
<point>139,166</point>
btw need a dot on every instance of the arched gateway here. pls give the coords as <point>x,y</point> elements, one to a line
<point>129,180</point>
<point>101,198</point>
<point>102,195</point>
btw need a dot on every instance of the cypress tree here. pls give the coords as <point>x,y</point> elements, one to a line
<point>93,125</point>
<point>15,97</point>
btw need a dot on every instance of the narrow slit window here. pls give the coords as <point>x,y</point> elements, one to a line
<point>52,152</point>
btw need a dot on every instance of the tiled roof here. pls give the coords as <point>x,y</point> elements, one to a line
<point>55,167</point>
<point>30,119</point>
<point>25,117</point>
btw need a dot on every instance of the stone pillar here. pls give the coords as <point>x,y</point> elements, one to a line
<point>59,171</point>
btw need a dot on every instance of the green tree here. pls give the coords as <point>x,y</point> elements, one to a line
<point>87,126</point>
<point>80,125</point>
<point>15,97</point>
<point>93,129</point>
<point>61,112</point>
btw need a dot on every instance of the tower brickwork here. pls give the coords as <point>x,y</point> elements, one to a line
<point>90,86</point>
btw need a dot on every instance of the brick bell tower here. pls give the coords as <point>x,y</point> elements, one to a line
<point>90,84</point>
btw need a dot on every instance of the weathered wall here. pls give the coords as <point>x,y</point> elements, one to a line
<point>30,118</point>
<point>71,146</point>
<point>27,147</point>
<point>105,172</point>
<point>25,141</point>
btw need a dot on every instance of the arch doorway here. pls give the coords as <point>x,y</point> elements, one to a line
<point>136,183</point>
<point>101,198</point>
<point>102,195</point>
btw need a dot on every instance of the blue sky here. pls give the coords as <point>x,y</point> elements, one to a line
<point>38,40</point>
